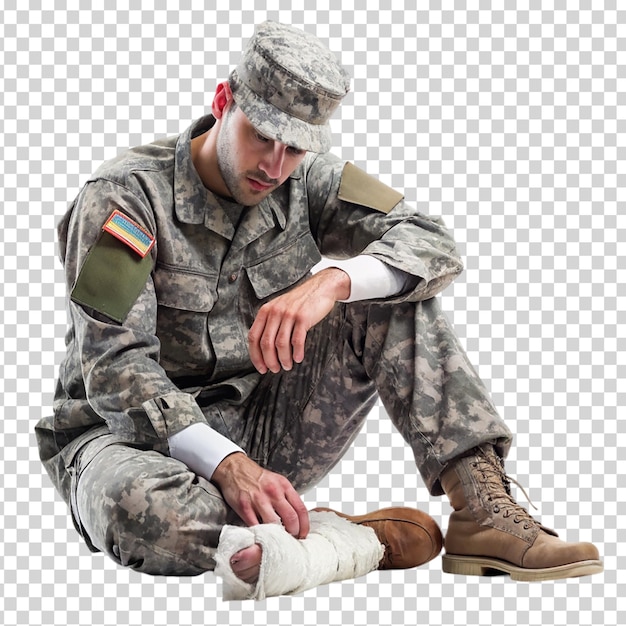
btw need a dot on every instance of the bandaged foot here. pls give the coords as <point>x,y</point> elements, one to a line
<point>335,549</point>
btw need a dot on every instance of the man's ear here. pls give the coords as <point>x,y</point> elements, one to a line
<point>223,95</point>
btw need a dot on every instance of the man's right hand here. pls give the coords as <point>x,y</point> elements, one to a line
<point>260,496</point>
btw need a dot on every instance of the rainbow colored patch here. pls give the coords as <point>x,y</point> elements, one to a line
<point>129,232</point>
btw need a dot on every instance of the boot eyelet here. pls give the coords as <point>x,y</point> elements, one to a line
<point>496,509</point>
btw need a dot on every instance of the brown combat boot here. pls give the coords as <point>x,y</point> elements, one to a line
<point>490,534</point>
<point>411,537</point>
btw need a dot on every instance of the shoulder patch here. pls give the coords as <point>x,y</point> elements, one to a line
<point>359,187</point>
<point>129,232</point>
<point>112,277</point>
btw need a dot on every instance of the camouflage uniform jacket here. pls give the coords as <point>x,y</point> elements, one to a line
<point>182,336</point>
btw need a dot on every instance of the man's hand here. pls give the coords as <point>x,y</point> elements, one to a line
<point>260,496</point>
<point>277,337</point>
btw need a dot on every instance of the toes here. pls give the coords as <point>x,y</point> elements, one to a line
<point>246,563</point>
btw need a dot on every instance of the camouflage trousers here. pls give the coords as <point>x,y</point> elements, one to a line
<point>149,512</point>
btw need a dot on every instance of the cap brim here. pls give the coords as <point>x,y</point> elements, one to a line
<point>280,126</point>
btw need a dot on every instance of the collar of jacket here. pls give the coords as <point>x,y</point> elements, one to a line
<point>195,204</point>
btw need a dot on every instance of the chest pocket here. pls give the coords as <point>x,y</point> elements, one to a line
<point>184,303</point>
<point>284,267</point>
<point>184,291</point>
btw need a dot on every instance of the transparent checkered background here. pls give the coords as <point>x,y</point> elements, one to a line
<point>507,118</point>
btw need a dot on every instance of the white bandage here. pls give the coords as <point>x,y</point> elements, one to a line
<point>334,549</point>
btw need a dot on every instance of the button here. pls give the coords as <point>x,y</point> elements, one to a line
<point>233,277</point>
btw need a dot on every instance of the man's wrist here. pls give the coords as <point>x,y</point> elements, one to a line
<point>223,468</point>
<point>340,282</point>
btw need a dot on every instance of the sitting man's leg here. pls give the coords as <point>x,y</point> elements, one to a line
<point>443,410</point>
<point>148,512</point>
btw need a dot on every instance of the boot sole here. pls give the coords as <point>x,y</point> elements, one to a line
<point>479,566</point>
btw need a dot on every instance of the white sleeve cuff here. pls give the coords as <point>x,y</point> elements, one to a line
<point>369,277</point>
<point>201,448</point>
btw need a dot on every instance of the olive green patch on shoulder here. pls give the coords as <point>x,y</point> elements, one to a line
<point>359,187</point>
<point>111,278</point>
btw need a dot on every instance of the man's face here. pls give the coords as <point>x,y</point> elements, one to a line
<point>252,165</point>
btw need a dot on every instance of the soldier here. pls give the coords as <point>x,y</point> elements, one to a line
<point>239,300</point>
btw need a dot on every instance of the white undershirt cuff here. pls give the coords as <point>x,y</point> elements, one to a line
<point>370,278</point>
<point>201,448</point>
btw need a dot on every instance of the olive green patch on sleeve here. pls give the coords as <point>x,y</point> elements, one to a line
<point>111,278</point>
<point>359,187</point>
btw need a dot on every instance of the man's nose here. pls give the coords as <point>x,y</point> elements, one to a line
<point>272,162</point>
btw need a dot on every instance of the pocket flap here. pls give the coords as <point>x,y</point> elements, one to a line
<point>184,290</point>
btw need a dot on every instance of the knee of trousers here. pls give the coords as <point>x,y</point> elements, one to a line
<point>148,512</point>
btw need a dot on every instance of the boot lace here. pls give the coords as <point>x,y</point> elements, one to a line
<point>497,489</point>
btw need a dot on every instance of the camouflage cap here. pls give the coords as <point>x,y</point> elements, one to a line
<point>288,84</point>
